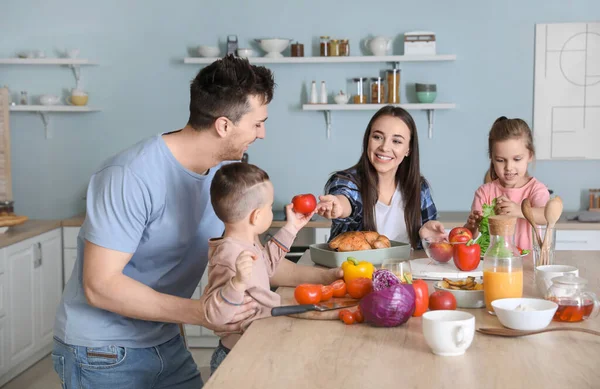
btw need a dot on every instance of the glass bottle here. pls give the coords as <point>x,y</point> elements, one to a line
<point>574,302</point>
<point>358,96</point>
<point>502,264</point>
<point>344,48</point>
<point>393,85</point>
<point>334,48</point>
<point>377,90</point>
<point>324,45</point>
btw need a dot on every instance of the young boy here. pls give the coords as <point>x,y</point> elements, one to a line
<point>238,265</point>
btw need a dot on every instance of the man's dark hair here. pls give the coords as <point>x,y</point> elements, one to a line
<point>223,89</point>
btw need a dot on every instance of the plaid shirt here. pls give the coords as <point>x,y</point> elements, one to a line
<point>341,183</point>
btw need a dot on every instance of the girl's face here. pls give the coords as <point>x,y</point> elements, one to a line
<point>510,158</point>
<point>388,144</point>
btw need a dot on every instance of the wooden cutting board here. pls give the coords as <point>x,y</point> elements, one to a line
<point>287,298</point>
<point>428,269</point>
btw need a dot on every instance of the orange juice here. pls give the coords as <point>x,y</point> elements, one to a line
<point>501,283</point>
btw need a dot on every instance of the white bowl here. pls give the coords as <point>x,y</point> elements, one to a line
<point>273,46</point>
<point>341,99</point>
<point>537,319</point>
<point>209,51</point>
<point>49,99</point>
<point>465,298</point>
<point>245,53</point>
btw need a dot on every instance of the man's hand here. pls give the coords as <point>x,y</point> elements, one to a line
<point>247,309</point>
<point>243,267</point>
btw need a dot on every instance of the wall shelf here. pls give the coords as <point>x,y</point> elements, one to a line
<point>337,60</point>
<point>327,108</point>
<point>73,63</point>
<point>43,111</point>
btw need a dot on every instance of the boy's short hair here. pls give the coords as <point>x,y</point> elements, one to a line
<point>236,190</point>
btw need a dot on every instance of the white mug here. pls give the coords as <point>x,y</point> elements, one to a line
<point>448,333</point>
<point>544,275</point>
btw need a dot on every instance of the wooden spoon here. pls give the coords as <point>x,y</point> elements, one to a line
<point>552,212</point>
<point>507,332</point>
<point>528,213</point>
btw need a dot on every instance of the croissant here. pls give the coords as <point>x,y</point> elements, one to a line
<point>359,240</point>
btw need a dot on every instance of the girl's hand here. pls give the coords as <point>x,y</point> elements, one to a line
<point>506,207</point>
<point>295,220</point>
<point>473,221</point>
<point>329,207</point>
<point>432,229</point>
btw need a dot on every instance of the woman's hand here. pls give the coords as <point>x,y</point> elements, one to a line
<point>329,207</point>
<point>432,229</point>
<point>506,207</point>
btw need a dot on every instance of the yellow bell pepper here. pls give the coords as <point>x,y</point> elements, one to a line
<point>354,269</point>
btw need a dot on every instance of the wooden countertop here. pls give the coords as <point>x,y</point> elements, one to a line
<point>75,221</point>
<point>29,229</point>
<point>286,352</point>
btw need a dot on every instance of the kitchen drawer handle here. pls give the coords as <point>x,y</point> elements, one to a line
<point>572,241</point>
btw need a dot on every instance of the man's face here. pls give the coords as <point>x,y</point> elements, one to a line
<point>249,128</point>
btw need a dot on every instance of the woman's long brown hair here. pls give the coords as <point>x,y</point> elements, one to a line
<point>408,177</point>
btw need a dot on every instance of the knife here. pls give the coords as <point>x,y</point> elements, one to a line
<point>322,307</point>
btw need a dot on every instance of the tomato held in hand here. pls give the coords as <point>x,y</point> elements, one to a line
<point>467,256</point>
<point>308,294</point>
<point>304,203</point>
<point>326,292</point>
<point>339,288</point>
<point>442,299</point>
<point>359,287</point>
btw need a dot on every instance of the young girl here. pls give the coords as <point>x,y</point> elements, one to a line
<point>511,150</point>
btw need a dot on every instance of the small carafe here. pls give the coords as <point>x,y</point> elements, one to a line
<point>574,302</point>
<point>502,265</point>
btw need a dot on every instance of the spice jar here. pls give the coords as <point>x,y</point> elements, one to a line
<point>377,90</point>
<point>574,302</point>
<point>502,264</point>
<point>393,85</point>
<point>297,50</point>
<point>344,48</point>
<point>324,45</point>
<point>7,208</point>
<point>334,48</point>
<point>359,97</point>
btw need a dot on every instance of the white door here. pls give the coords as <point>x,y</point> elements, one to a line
<point>69,258</point>
<point>21,311</point>
<point>3,345</point>
<point>48,280</point>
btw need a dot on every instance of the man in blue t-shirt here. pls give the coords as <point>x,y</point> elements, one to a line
<point>143,246</point>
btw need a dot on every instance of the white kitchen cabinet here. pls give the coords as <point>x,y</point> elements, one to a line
<point>322,235</point>
<point>69,251</point>
<point>588,240</point>
<point>33,287</point>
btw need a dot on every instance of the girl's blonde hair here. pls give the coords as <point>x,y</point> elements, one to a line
<point>505,129</point>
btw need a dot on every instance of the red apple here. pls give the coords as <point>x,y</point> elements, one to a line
<point>460,235</point>
<point>441,251</point>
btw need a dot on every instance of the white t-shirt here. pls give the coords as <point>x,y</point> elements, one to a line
<point>390,218</point>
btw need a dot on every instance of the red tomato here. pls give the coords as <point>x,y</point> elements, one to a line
<point>467,256</point>
<point>304,203</point>
<point>421,297</point>
<point>339,288</point>
<point>326,292</point>
<point>442,299</point>
<point>359,287</point>
<point>343,312</point>
<point>308,294</point>
<point>346,316</point>
<point>460,235</point>
<point>358,315</point>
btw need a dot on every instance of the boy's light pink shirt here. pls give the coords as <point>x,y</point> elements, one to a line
<point>222,254</point>
<point>534,190</point>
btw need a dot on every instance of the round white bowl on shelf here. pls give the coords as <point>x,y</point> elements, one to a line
<point>49,100</point>
<point>274,46</point>
<point>208,51</point>
<point>510,314</point>
<point>245,53</point>
<point>341,99</point>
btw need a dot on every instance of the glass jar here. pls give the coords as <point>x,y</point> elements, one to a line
<point>334,48</point>
<point>297,50</point>
<point>574,302</point>
<point>359,96</point>
<point>502,264</point>
<point>344,48</point>
<point>324,45</point>
<point>7,208</point>
<point>24,99</point>
<point>393,85</point>
<point>377,90</point>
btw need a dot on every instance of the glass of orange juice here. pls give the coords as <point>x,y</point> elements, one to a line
<point>502,264</point>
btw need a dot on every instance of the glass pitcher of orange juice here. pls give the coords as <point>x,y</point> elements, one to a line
<point>502,265</point>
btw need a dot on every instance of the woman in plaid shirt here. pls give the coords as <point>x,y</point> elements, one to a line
<point>384,191</point>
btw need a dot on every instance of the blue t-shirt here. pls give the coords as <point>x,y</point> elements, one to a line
<point>141,201</point>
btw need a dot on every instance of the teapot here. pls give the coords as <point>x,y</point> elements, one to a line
<point>574,302</point>
<point>379,45</point>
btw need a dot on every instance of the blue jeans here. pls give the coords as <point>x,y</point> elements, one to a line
<point>217,357</point>
<point>169,365</point>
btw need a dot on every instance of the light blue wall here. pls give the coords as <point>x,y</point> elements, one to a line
<point>142,87</point>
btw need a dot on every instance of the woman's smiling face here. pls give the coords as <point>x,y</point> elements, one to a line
<point>389,142</point>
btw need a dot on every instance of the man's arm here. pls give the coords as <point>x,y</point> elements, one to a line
<point>106,287</point>
<point>290,274</point>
